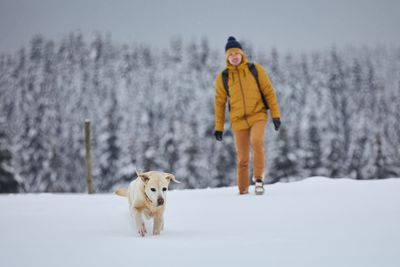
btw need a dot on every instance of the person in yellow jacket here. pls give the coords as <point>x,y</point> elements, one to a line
<point>248,113</point>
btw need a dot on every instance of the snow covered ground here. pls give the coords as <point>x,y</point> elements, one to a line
<point>315,222</point>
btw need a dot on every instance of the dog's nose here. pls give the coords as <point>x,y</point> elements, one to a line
<point>160,201</point>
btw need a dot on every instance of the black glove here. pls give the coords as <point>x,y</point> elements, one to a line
<point>277,123</point>
<point>218,135</point>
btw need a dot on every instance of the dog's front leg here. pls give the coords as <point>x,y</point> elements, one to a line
<point>139,222</point>
<point>158,224</point>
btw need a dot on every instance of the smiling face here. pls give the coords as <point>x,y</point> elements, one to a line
<point>235,58</point>
<point>156,186</point>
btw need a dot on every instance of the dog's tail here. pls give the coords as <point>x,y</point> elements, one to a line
<point>123,192</point>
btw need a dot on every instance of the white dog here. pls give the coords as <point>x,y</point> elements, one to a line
<point>147,194</point>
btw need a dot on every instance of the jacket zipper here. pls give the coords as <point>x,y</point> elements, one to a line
<point>244,101</point>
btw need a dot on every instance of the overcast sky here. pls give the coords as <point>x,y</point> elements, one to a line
<point>297,25</point>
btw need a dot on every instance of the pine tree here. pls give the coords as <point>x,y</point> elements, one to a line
<point>339,116</point>
<point>9,180</point>
<point>381,162</point>
<point>284,166</point>
<point>224,161</point>
<point>31,142</point>
<point>109,145</point>
<point>313,150</point>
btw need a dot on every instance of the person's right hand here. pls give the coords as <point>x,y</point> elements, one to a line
<point>218,135</point>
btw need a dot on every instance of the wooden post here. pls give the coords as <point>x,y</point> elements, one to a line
<point>88,157</point>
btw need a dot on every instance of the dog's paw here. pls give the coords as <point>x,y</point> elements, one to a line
<point>142,230</point>
<point>156,232</point>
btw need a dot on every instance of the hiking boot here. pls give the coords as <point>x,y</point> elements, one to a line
<point>258,186</point>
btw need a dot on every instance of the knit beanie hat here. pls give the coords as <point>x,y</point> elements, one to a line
<point>232,43</point>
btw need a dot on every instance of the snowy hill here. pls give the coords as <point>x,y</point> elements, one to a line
<point>315,222</point>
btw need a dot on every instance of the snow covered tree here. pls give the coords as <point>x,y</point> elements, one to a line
<point>284,165</point>
<point>313,149</point>
<point>154,110</point>
<point>109,144</point>
<point>224,161</point>
<point>339,115</point>
<point>9,180</point>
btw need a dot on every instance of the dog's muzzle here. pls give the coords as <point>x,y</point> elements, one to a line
<point>160,201</point>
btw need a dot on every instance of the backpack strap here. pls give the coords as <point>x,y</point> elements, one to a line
<point>254,71</point>
<point>225,79</point>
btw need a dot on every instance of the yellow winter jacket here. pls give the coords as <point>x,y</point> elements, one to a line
<point>245,99</point>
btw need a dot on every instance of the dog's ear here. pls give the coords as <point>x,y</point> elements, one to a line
<point>170,177</point>
<point>144,176</point>
<point>138,172</point>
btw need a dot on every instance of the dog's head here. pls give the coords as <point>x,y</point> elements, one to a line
<point>156,186</point>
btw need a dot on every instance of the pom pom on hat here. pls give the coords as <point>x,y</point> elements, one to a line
<point>232,43</point>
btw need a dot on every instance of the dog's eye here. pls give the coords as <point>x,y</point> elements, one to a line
<point>164,189</point>
<point>153,189</point>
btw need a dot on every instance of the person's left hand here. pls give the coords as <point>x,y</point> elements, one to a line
<point>277,123</point>
<point>218,135</point>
